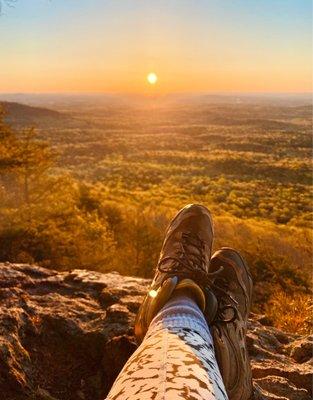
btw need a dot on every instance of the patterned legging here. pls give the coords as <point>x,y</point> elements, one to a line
<point>175,361</point>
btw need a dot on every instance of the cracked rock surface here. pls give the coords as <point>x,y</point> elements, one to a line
<point>66,336</point>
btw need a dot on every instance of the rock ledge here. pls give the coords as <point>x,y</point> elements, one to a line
<point>66,335</point>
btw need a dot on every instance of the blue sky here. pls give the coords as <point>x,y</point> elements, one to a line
<point>192,45</point>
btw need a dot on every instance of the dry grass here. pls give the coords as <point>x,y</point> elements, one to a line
<point>291,313</point>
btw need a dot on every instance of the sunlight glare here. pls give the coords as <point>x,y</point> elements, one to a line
<point>153,293</point>
<point>152,78</point>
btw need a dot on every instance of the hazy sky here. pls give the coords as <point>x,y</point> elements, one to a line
<point>192,45</point>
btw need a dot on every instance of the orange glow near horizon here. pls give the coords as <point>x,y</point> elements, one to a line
<point>212,81</point>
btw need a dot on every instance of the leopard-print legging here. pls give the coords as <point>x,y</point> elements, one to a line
<point>175,361</point>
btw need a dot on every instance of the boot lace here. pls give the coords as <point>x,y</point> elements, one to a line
<point>187,263</point>
<point>192,265</point>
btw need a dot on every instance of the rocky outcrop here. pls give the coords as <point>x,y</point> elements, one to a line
<point>66,335</point>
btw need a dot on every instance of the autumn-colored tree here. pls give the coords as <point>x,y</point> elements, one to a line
<point>24,162</point>
<point>41,217</point>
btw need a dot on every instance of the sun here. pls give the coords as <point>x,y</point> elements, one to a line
<point>152,78</point>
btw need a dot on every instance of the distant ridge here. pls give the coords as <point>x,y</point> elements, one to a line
<point>24,114</point>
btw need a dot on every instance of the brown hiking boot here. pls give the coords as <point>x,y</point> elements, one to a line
<point>183,264</point>
<point>232,287</point>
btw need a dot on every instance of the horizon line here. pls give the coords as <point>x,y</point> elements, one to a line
<point>221,93</point>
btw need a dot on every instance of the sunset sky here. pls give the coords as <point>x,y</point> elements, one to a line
<point>192,45</point>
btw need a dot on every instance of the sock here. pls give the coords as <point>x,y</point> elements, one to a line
<point>181,311</point>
